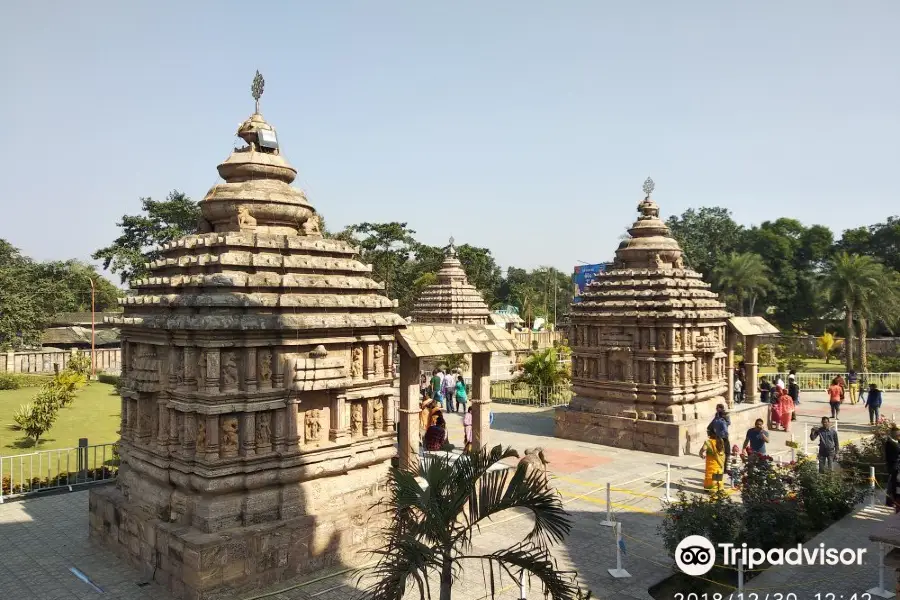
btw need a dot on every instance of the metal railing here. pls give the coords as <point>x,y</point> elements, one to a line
<point>820,381</point>
<point>510,392</point>
<point>45,470</point>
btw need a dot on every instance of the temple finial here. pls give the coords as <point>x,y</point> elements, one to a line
<point>649,186</point>
<point>451,249</point>
<point>257,88</point>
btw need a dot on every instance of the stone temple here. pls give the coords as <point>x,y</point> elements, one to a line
<point>648,337</point>
<point>257,392</point>
<point>452,299</point>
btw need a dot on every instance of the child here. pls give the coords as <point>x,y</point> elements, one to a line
<point>467,430</point>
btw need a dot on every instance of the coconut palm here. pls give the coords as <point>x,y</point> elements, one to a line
<point>882,306</point>
<point>434,512</point>
<point>852,283</point>
<point>743,275</point>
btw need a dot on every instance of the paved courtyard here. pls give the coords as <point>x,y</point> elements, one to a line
<point>42,538</point>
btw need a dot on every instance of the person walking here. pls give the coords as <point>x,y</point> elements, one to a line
<point>436,435</point>
<point>756,438</point>
<point>719,427</point>
<point>437,378</point>
<point>764,390</point>
<point>462,395</point>
<point>873,403</point>
<point>853,386</point>
<point>843,384</point>
<point>738,391</point>
<point>784,410</point>
<point>713,451</point>
<point>423,386</point>
<point>794,390</point>
<point>448,386</point>
<point>829,445</point>
<point>835,392</point>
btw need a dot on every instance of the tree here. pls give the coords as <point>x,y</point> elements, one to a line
<point>142,235</point>
<point>827,344</point>
<point>882,306</point>
<point>745,276</point>
<point>880,241</point>
<point>851,283</point>
<point>431,527</point>
<point>386,246</point>
<point>706,235</point>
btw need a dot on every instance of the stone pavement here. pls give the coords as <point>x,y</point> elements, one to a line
<point>41,538</point>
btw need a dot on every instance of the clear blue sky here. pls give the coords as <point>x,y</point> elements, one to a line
<point>527,127</point>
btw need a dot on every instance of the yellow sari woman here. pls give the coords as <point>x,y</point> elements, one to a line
<point>714,453</point>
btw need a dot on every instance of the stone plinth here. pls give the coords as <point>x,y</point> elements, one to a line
<point>673,439</point>
<point>648,347</point>
<point>257,392</point>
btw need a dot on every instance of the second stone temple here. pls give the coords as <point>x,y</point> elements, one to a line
<point>649,340</point>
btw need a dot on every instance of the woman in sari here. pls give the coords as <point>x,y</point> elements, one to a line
<point>426,409</point>
<point>713,451</point>
<point>436,435</point>
<point>786,409</point>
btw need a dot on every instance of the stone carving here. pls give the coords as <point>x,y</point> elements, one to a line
<point>229,370</point>
<point>201,432</point>
<point>676,379</point>
<point>263,429</point>
<point>244,220</point>
<point>265,365</point>
<point>679,263</point>
<point>311,226</point>
<point>356,363</point>
<point>662,378</point>
<point>312,419</point>
<point>379,359</point>
<point>229,436</point>
<point>534,460</point>
<point>356,419</point>
<point>178,367</point>
<point>378,414</point>
<point>662,339</point>
<point>658,262</point>
<point>702,376</point>
<point>318,352</point>
<point>677,344</point>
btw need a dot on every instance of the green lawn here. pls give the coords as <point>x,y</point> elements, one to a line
<point>94,414</point>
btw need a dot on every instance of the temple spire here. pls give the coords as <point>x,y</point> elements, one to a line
<point>256,88</point>
<point>450,250</point>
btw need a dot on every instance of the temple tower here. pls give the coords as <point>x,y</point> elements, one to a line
<point>452,299</point>
<point>649,360</point>
<point>257,391</point>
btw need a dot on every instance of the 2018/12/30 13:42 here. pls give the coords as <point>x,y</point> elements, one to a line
<point>774,596</point>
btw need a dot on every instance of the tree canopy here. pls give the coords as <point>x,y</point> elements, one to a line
<point>32,292</point>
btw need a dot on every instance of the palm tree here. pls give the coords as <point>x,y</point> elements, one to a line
<point>545,370</point>
<point>743,275</point>
<point>432,525</point>
<point>827,344</point>
<point>883,305</point>
<point>852,283</point>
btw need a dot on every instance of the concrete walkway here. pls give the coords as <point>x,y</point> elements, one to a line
<point>41,538</point>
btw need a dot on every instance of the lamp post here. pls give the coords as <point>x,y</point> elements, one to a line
<point>93,330</point>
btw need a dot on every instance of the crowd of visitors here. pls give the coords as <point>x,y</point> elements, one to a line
<point>444,391</point>
<point>784,400</point>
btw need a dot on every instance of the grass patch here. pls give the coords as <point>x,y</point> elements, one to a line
<point>94,414</point>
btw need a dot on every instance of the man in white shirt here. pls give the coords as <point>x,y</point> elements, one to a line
<point>449,389</point>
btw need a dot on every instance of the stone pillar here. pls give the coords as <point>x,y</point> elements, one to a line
<point>408,444</point>
<point>247,432</point>
<point>212,435</point>
<point>292,425</point>
<point>277,369</point>
<point>211,384</point>
<point>189,446</point>
<point>250,374</point>
<point>729,375</point>
<point>337,432</point>
<point>751,361</point>
<point>481,399</point>
<point>369,361</point>
<point>190,368</point>
<point>11,361</point>
<point>162,424</point>
<point>388,402</point>
<point>124,431</point>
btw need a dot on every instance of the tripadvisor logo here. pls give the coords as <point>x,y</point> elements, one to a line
<point>695,555</point>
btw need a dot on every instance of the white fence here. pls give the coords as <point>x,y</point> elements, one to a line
<point>820,381</point>
<point>509,392</point>
<point>45,470</point>
<point>108,360</point>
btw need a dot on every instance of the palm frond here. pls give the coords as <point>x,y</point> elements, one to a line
<point>537,562</point>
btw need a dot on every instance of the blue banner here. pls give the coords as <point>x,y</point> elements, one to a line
<point>584,275</point>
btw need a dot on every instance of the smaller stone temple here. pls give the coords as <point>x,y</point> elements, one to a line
<point>449,317</point>
<point>649,361</point>
<point>452,299</point>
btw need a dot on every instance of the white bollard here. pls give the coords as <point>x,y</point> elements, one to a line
<point>740,576</point>
<point>668,497</point>
<point>880,591</point>
<point>619,572</point>
<point>872,486</point>
<point>793,450</point>
<point>609,520</point>
<point>522,595</point>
